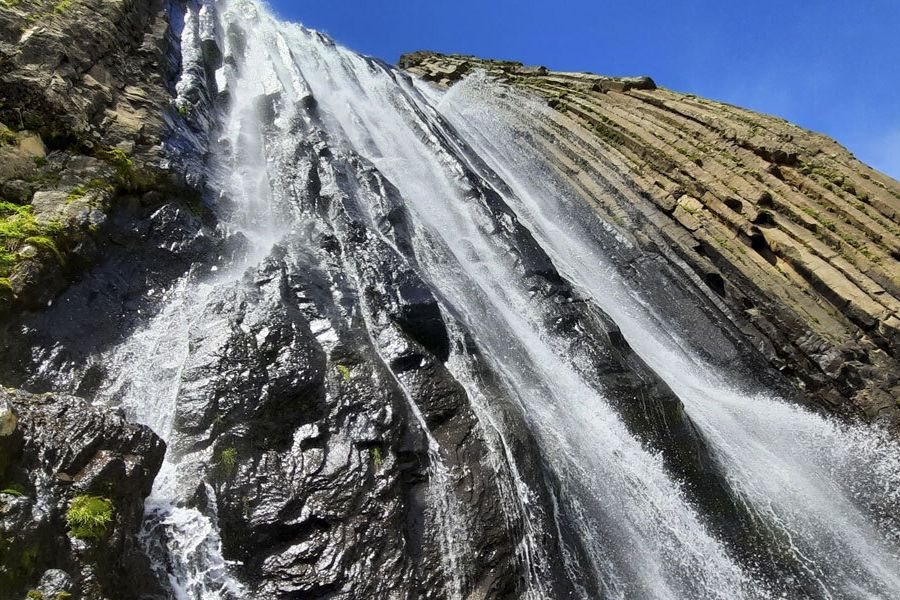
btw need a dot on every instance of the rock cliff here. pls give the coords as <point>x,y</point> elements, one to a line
<point>86,105</point>
<point>88,196</point>
<point>797,240</point>
<point>335,422</point>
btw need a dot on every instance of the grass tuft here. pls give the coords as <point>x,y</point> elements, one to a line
<point>62,6</point>
<point>228,461</point>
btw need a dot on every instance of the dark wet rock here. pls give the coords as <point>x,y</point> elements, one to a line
<point>55,584</point>
<point>62,448</point>
<point>262,372</point>
<point>140,253</point>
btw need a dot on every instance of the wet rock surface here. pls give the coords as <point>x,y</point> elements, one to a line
<point>60,448</point>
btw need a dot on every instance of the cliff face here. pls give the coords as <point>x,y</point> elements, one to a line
<point>89,205</point>
<point>359,401</point>
<point>87,102</point>
<point>793,237</point>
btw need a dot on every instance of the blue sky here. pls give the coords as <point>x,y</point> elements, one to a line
<point>829,65</point>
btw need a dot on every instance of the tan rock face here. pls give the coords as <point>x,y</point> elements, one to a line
<point>805,237</point>
<point>31,145</point>
<point>8,419</point>
<point>82,96</point>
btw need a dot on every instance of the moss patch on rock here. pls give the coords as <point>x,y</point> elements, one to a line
<point>19,229</point>
<point>89,517</point>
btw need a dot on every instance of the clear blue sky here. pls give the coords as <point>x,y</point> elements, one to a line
<point>829,65</point>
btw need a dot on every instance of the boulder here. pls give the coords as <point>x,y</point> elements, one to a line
<point>62,448</point>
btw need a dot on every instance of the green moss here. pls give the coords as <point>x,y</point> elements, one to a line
<point>8,137</point>
<point>9,209</point>
<point>119,159</point>
<point>62,6</point>
<point>34,595</point>
<point>228,461</point>
<point>16,225</point>
<point>53,228</point>
<point>812,213</point>
<point>44,243</point>
<point>375,454</point>
<point>39,161</point>
<point>344,370</point>
<point>17,562</point>
<point>184,110</point>
<point>722,242</point>
<point>76,193</point>
<point>28,559</point>
<point>100,185</point>
<point>89,517</point>
<point>94,185</point>
<point>14,490</point>
<point>609,134</point>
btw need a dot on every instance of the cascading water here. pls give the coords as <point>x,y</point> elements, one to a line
<point>810,480</point>
<point>487,221</point>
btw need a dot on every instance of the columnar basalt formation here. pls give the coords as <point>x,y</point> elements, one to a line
<point>791,234</point>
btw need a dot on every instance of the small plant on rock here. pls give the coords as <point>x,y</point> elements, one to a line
<point>76,193</point>
<point>119,159</point>
<point>228,461</point>
<point>377,458</point>
<point>62,6</point>
<point>13,490</point>
<point>7,136</point>
<point>89,517</point>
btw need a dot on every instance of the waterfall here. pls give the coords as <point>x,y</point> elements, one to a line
<point>512,262</point>
<point>822,485</point>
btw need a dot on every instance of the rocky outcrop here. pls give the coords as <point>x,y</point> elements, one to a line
<point>82,126</point>
<point>796,239</point>
<point>93,218</point>
<point>60,455</point>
